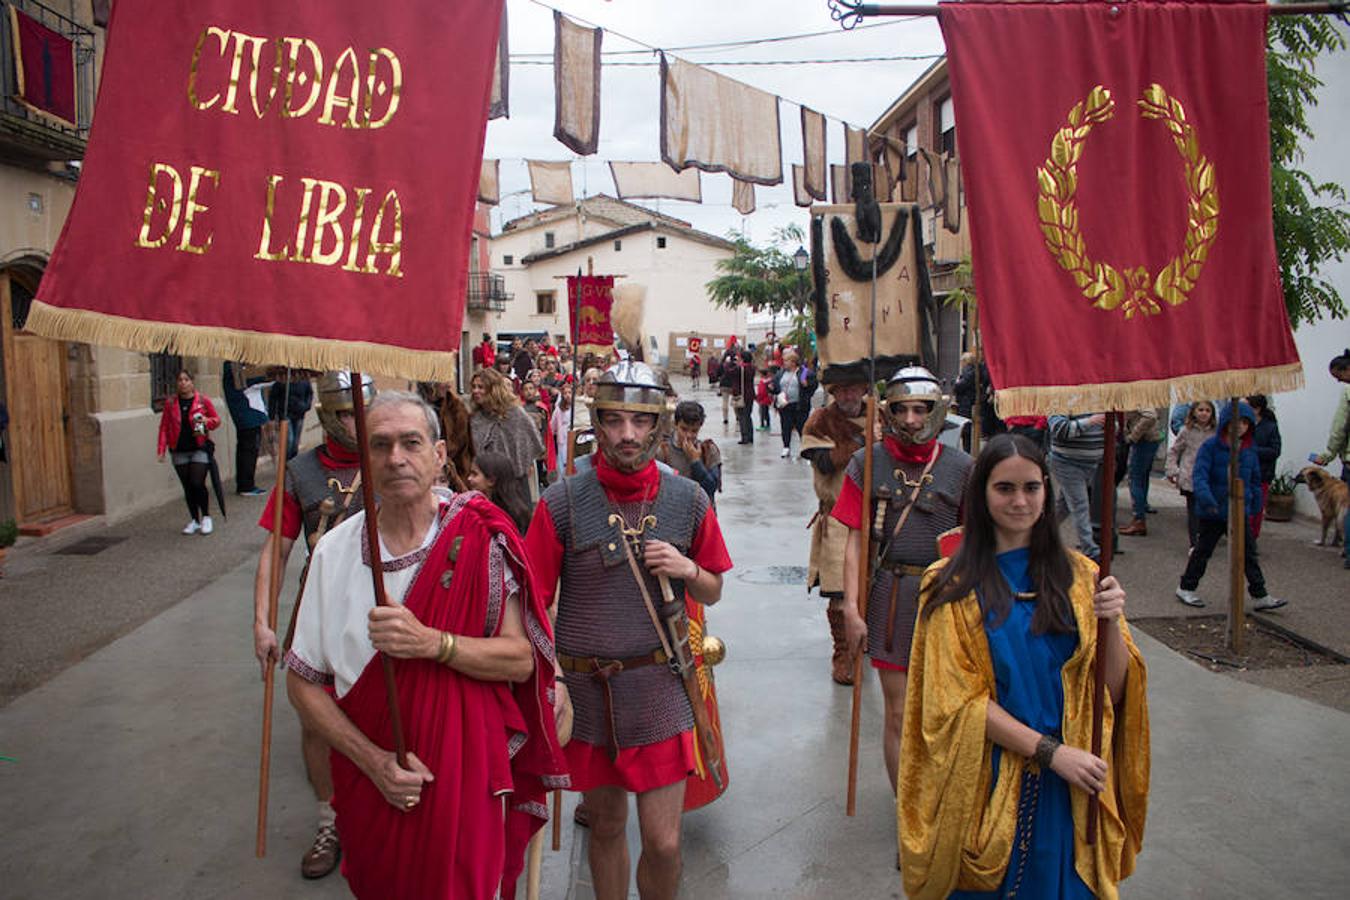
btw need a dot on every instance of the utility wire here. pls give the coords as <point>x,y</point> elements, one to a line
<point>756,62</point>
<point>654,49</point>
<point>748,42</point>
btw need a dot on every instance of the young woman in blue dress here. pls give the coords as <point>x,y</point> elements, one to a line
<point>995,773</point>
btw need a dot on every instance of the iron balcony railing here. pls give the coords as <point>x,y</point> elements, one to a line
<point>487,292</point>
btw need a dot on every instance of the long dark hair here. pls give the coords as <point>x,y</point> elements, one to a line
<point>975,568</point>
<point>508,492</point>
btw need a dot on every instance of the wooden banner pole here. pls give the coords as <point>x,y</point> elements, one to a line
<point>1237,537</point>
<point>269,679</point>
<point>1107,515</point>
<point>864,590</point>
<point>376,564</point>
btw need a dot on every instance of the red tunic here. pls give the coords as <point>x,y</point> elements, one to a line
<point>487,743</point>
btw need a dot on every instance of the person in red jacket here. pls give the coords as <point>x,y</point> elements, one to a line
<point>485,354</point>
<point>183,428</point>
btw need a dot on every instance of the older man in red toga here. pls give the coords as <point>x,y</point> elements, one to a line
<point>474,663</point>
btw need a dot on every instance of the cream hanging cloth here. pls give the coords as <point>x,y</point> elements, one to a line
<point>718,124</point>
<point>551,182</point>
<point>635,180</point>
<point>489,182</point>
<point>576,84</point>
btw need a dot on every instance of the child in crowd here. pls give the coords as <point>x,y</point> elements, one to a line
<point>762,399</point>
<point>491,475</point>
<point>1210,483</point>
<point>1197,428</point>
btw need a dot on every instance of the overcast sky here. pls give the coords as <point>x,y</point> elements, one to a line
<point>630,95</point>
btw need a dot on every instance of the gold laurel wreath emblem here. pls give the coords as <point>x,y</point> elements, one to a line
<point>696,648</point>
<point>1136,290</point>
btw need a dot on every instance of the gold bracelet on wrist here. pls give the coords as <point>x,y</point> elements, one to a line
<point>447,652</point>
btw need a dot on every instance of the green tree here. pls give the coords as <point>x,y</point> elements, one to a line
<point>1312,226</point>
<point>763,277</point>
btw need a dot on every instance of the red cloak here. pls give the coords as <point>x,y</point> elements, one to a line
<point>487,743</point>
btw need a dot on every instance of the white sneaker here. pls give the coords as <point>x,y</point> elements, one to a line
<point>207,526</point>
<point>1190,598</point>
<point>192,527</point>
<point>1267,603</point>
<point>785,454</point>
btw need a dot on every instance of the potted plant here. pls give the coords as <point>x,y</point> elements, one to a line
<point>9,533</point>
<point>1280,504</point>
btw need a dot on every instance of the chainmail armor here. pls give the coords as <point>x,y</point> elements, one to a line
<point>937,511</point>
<point>307,482</point>
<point>601,612</point>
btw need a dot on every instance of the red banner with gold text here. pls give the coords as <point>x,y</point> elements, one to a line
<point>1116,164</point>
<point>280,183</point>
<point>589,301</point>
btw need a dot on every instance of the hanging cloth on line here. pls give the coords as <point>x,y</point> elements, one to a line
<point>814,168</point>
<point>636,180</point>
<point>550,182</point>
<point>718,124</point>
<point>576,84</point>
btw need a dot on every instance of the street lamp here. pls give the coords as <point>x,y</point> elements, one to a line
<point>801,260</point>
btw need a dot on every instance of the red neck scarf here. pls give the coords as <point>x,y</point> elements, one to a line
<point>335,456</point>
<point>627,487</point>
<point>910,453</point>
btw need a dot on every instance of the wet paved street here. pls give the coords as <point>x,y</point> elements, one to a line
<point>136,768</point>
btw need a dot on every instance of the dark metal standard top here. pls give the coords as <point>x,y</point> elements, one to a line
<point>849,14</point>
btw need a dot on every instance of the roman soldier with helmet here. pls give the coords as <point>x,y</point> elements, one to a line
<point>917,485</point>
<point>623,542</point>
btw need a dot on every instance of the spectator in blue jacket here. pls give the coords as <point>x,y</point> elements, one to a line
<point>248,424</point>
<point>1210,483</point>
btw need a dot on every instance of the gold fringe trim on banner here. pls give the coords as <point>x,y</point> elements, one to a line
<point>254,347</point>
<point>1077,399</point>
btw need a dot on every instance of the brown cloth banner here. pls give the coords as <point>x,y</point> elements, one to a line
<point>742,196</point>
<point>499,106</point>
<point>815,169</point>
<point>843,293</point>
<point>800,195</point>
<point>257,185</point>
<point>576,84</point>
<point>718,124</point>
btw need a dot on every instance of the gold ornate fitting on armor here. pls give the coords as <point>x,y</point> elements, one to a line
<point>1135,291</point>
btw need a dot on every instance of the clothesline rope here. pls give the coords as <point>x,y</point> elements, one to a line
<point>655,49</point>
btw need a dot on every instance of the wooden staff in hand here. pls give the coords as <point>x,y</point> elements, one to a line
<point>273,595</point>
<point>1108,517</point>
<point>864,582</point>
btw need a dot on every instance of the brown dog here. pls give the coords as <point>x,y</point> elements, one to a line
<point>1333,500</point>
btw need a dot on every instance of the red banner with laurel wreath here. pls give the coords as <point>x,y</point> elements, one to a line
<point>280,183</point>
<point>589,300</point>
<point>1116,163</point>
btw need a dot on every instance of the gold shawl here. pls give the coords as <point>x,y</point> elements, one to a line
<point>953,832</point>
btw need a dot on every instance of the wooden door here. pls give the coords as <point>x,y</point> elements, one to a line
<point>35,388</point>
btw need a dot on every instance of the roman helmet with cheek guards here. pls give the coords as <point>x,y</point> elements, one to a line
<point>916,383</point>
<point>335,396</point>
<point>633,386</point>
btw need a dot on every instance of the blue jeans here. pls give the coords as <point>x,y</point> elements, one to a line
<point>1141,463</point>
<point>1073,479</point>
